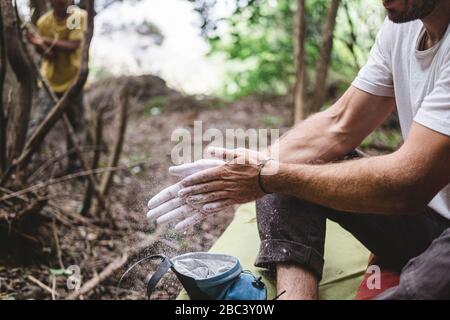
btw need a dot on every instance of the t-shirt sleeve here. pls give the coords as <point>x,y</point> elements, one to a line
<point>77,24</point>
<point>434,113</point>
<point>376,76</point>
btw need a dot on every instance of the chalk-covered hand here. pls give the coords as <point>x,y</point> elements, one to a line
<point>236,182</point>
<point>167,206</point>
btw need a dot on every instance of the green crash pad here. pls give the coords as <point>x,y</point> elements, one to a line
<point>345,258</point>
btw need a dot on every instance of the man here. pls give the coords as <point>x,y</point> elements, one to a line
<point>397,205</point>
<point>59,42</point>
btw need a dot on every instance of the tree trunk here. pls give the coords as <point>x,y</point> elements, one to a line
<point>38,7</point>
<point>2,109</point>
<point>299,87</point>
<point>83,4</point>
<point>38,136</point>
<point>325,56</point>
<point>22,69</point>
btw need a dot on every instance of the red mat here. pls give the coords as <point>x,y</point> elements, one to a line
<point>368,290</point>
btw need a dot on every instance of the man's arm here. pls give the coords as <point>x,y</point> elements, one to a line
<point>44,45</point>
<point>402,182</point>
<point>331,134</point>
<point>324,137</point>
<point>39,44</point>
<point>64,45</point>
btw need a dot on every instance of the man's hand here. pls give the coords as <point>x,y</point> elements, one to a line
<point>40,44</point>
<point>167,206</point>
<point>35,39</point>
<point>218,188</point>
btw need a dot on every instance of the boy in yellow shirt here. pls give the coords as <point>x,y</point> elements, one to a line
<point>59,41</point>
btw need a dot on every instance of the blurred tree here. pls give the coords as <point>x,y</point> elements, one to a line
<point>3,66</point>
<point>145,29</point>
<point>102,4</point>
<point>258,40</point>
<point>38,8</point>
<point>300,78</point>
<point>324,58</point>
<point>15,54</point>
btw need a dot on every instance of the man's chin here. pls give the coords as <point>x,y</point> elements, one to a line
<point>421,11</point>
<point>398,17</point>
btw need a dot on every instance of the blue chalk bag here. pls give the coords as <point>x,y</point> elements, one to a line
<point>207,276</point>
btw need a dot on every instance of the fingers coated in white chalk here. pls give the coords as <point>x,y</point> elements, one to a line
<point>165,208</point>
<point>189,222</point>
<point>217,206</point>
<point>224,153</point>
<point>207,197</point>
<point>188,169</point>
<point>164,196</point>
<point>181,212</point>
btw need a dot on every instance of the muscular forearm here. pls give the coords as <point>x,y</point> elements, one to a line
<point>316,139</point>
<point>374,185</point>
<point>331,134</point>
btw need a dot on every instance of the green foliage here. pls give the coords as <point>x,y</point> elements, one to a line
<point>383,140</point>
<point>258,41</point>
<point>271,121</point>
<point>98,73</point>
<point>155,106</point>
<point>217,105</point>
<point>60,272</point>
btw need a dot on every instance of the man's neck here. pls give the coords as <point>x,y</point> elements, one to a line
<point>437,23</point>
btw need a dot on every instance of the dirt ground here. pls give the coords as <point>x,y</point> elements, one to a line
<point>92,243</point>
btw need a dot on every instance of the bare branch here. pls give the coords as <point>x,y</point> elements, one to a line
<point>352,42</point>
<point>3,66</point>
<point>118,143</point>
<point>98,137</point>
<point>115,265</point>
<point>64,179</point>
<point>300,80</point>
<point>38,7</point>
<point>325,57</point>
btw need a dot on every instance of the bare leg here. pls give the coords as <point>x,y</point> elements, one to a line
<point>299,283</point>
<point>292,236</point>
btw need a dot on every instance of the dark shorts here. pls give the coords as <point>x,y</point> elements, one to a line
<point>292,231</point>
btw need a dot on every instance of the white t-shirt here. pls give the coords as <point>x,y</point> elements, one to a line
<point>419,81</point>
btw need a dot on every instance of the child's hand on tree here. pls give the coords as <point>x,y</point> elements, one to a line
<point>35,39</point>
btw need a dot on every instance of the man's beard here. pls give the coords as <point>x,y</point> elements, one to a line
<point>418,10</point>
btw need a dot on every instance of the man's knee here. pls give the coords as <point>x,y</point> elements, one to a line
<point>292,231</point>
<point>283,215</point>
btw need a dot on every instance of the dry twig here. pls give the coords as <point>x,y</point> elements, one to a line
<point>43,286</point>
<point>63,179</point>
<point>115,265</point>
